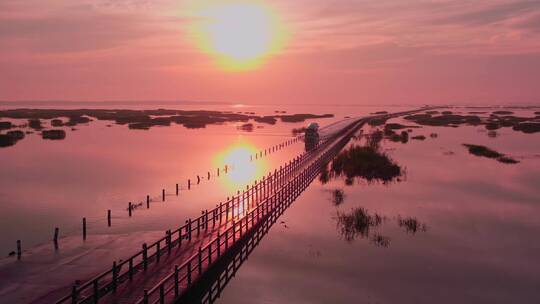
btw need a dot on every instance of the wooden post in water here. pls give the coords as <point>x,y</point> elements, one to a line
<point>19,250</point>
<point>198,179</point>
<point>56,230</point>
<point>226,169</point>
<point>148,202</point>
<point>163,195</point>
<point>177,189</point>
<point>109,217</point>
<point>208,175</point>
<point>218,172</point>
<point>129,209</point>
<point>84,228</point>
<point>189,184</point>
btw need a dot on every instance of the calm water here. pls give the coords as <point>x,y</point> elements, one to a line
<point>480,244</point>
<point>481,216</point>
<point>48,184</point>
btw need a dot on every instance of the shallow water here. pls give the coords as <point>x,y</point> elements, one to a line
<point>480,215</point>
<point>479,245</point>
<point>48,184</point>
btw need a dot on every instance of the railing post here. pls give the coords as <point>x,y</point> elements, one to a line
<point>218,244</point>
<point>145,256</point>
<point>158,250</point>
<point>234,231</point>
<point>189,229</point>
<point>96,291</point>
<point>206,220</point>
<point>200,260</point>
<point>179,237</point>
<point>169,245</point>
<point>145,296</point>
<point>114,275</point>
<point>189,273</point>
<point>209,253</point>
<point>74,295</point>
<point>176,289</point>
<point>131,269</point>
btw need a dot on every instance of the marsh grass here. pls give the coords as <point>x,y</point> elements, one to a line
<point>338,197</point>
<point>357,223</point>
<point>365,162</point>
<point>483,151</point>
<point>411,224</point>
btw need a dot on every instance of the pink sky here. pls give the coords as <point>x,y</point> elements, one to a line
<point>346,52</point>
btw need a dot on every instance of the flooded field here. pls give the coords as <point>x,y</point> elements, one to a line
<point>414,209</point>
<point>453,228</point>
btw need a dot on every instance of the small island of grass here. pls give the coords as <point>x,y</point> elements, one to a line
<point>483,151</point>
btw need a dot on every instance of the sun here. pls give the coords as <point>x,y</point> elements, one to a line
<point>239,35</point>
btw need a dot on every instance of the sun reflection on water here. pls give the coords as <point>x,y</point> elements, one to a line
<point>242,171</point>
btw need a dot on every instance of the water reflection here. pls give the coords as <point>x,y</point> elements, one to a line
<point>360,223</point>
<point>242,171</point>
<point>365,162</point>
<point>209,287</point>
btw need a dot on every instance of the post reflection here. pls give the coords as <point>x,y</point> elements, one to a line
<point>242,171</point>
<point>209,287</point>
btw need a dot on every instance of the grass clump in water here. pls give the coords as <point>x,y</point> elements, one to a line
<point>365,162</point>
<point>411,225</point>
<point>484,151</point>
<point>357,223</point>
<point>338,197</point>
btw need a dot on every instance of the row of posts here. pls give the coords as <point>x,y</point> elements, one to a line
<point>273,149</point>
<point>255,193</point>
<point>271,204</point>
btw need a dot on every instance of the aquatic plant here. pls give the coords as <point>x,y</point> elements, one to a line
<point>380,240</point>
<point>367,163</point>
<point>338,197</point>
<point>357,223</point>
<point>484,151</point>
<point>5,125</point>
<point>6,141</point>
<point>53,134</point>
<point>324,176</point>
<point>411,224</point>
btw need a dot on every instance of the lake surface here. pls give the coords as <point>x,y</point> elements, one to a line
<point>478,218</point>
<point>479,245</point>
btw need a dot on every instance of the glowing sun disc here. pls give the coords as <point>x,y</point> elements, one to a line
<point>240,35</point>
